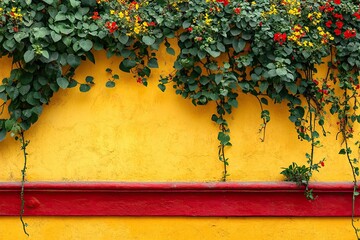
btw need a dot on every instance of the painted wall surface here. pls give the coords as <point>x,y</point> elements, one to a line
<point>137,133</point>
<point>179,228</point>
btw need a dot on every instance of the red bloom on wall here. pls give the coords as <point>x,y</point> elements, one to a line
<point>339,24</point>
<point>224,2</point>
<point>111,26</point>
<point>337,32</point>
<point>95,16</point>
<point>349,33</point>
<point>338,16</point>
<point>357,15</point>
<point>280,37</point>
<point>328,23</point>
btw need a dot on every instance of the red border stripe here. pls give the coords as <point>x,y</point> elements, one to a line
<point>176,199</point>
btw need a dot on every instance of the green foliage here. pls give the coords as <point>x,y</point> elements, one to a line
<point>298,174</point>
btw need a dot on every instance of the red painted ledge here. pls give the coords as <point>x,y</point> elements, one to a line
<point>235,199</point>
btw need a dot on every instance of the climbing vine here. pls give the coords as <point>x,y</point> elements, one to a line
<point>270,49</point>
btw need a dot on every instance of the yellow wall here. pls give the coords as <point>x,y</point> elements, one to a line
<point>137,133</point>
<point>134,133</point>
<point>145,228</point>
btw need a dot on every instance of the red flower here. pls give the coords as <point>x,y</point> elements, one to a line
<point>326,8</point>
<point>95,16</point>
<point>280,37</point>
<point>322,163</point>
<point>357,15</point>
<point>349,33</point>
<point>339,24</point>
<point>15,29</point>
<point>260,24</point>
<point>189,29</point>
<point>139,80</point>
<point>337,32</point>
<point>338,16</point>
<point>111,26</point>
<point>237,10</point>
<point>337,1</point>
<point>328,23</point>
<point>151,24</point>
<point>224,2</point>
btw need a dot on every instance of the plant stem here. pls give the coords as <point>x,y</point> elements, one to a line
<point>24,144</point>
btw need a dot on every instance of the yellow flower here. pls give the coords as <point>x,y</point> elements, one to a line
<point>112,12</point>
<point>121,15</point>
<point>207,19</point>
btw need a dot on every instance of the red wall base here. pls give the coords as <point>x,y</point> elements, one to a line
<point>280,199</point>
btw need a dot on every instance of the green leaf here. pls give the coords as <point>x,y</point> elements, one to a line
<point>292,87</point>
<point>73,61</point>
<point>84,87</point>
<point>223,138</point>
<point>86,45</point>
<point>45,54</point>
<point>75,3</point>
<point>62,82</point>
<point>162,87</point>
<point>281,71</point>
<point>153,63</point>
<point>238,44</point>
<point>29,55</point>
<point>170,51</point>
<point>49,1</point>
<point>24,89</point>
<point>89,79</point>
<point>55,37</point>
<point>20,36</point>
<point>220,47</point>
<point>233,103</point>
<point>110,84</point>
<point>218,78</point>
<point>264,101</point>
<point>148,40</point>
<point>263,86</point>
<point>342,151</point>
<point>124,38</point>
<point>2,134</point>
<point>9,124</point>
<point>212,53</point>
<point>127,64</point>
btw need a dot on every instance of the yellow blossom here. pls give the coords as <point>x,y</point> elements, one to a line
<point>207,19</point>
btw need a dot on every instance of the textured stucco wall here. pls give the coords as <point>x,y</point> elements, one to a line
<point>137,133</point>
<point>134,133</point>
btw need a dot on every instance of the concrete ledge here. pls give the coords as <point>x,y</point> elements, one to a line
<point>232,199</point>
